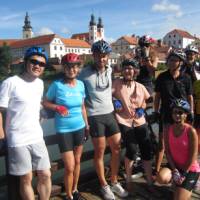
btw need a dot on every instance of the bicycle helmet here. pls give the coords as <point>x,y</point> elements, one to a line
<point>145,40</point>
<point>71,58</point>
<point>134,63</point>
<point>191,48</point>
<point>35,51</point>
<point>180,103</point>
<point>101,46</point>
<point>178,53</point>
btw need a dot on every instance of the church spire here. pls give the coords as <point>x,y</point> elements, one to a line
<point>27,28</point>
<point>100,23</point>
<point>27,23</point>
<point>92,21</point>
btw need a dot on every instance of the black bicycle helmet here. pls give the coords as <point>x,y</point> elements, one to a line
<point>134,63</point>
<point>178,53</point>
<point>101,46</point>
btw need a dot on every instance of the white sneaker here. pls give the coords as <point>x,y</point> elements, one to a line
<point>119,190</point>
<point>107,193</point>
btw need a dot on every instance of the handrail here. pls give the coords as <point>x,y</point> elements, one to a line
<point>13,181</point>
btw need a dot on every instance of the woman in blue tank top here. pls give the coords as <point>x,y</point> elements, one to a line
<point>66,96</point>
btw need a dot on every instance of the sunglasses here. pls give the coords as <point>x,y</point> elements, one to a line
<point>102,83</point>
<point>178,112</point>
<point>36,62</point>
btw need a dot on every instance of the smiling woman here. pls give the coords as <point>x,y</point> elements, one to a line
<point>66,97</point>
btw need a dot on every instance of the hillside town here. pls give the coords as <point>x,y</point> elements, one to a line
<point>80,43</point>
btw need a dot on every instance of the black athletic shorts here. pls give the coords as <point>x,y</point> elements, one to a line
<point>190,180</point>
<point>136,136</point>
<point>68,141</point>
<point>103,125</point>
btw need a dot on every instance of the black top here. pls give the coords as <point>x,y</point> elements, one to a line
<point>145,78</point>
<point>190,70</point>
<point>171,89</point>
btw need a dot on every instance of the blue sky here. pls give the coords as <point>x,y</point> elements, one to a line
<point>120,17</point>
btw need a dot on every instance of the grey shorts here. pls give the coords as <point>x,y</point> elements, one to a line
<point>25,159</point>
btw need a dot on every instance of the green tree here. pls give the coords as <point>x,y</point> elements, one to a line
<point>5,61</point>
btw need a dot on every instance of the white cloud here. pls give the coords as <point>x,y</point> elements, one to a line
<point>134,23</point>
<point>109,39</point>
<point>65,30</point>
<point>44,31</point>
<point>166,7</point>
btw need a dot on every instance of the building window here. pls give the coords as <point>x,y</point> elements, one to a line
<point>60,48</point>
<point>55,47</point>
<point>55,41</point>
<point>91,37</point>
<point>179,42</point>
<point>174,42</point>
<point>55,55</point>
<point>174,35</point>
<point>169,36</point>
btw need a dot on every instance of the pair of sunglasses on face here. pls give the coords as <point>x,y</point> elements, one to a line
<point>36,62</point>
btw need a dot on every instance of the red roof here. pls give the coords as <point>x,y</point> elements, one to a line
<point>182,33</point>
<point>43,39</point>
<point>81,36</point>
<point>75,43</point>
<point>130,40</point>
<point>7,41</point>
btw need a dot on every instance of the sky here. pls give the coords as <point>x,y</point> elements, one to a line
<point>120,17</point>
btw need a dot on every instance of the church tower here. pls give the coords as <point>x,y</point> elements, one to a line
<point>100,29</point>
<point>27,28</point>
<point>92,30</point>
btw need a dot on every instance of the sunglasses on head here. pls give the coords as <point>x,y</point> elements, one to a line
<point>36,62</point>
<point>178,112</point>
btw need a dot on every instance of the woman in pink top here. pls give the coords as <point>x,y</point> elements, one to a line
<point>129,111</point>
<point>181,143</point>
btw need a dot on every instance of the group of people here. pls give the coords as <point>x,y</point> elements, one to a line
<point>88,102</point>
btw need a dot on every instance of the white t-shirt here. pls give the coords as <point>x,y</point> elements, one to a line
<point>22,100</point>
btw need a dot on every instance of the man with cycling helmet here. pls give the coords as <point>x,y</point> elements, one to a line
<point>192,68</point>
<point>131,118</point>
<point>103,126</point>
<point>148,62</point>
<point>169,86</point>
<point>20,97</point>
<point>66,97</point>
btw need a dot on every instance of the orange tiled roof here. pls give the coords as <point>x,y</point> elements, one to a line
<point>75,43</point>
<point>7,41</point>
<point>183,33</point>
<point>130,40</point>
<point>43,39</point>
<point>80,36</point>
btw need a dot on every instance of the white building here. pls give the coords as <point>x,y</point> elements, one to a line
<point>124,45</point>
<point>178,38</point>
<point>54,45</point>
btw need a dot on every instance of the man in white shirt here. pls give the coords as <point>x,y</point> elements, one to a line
<point>21,96</point>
